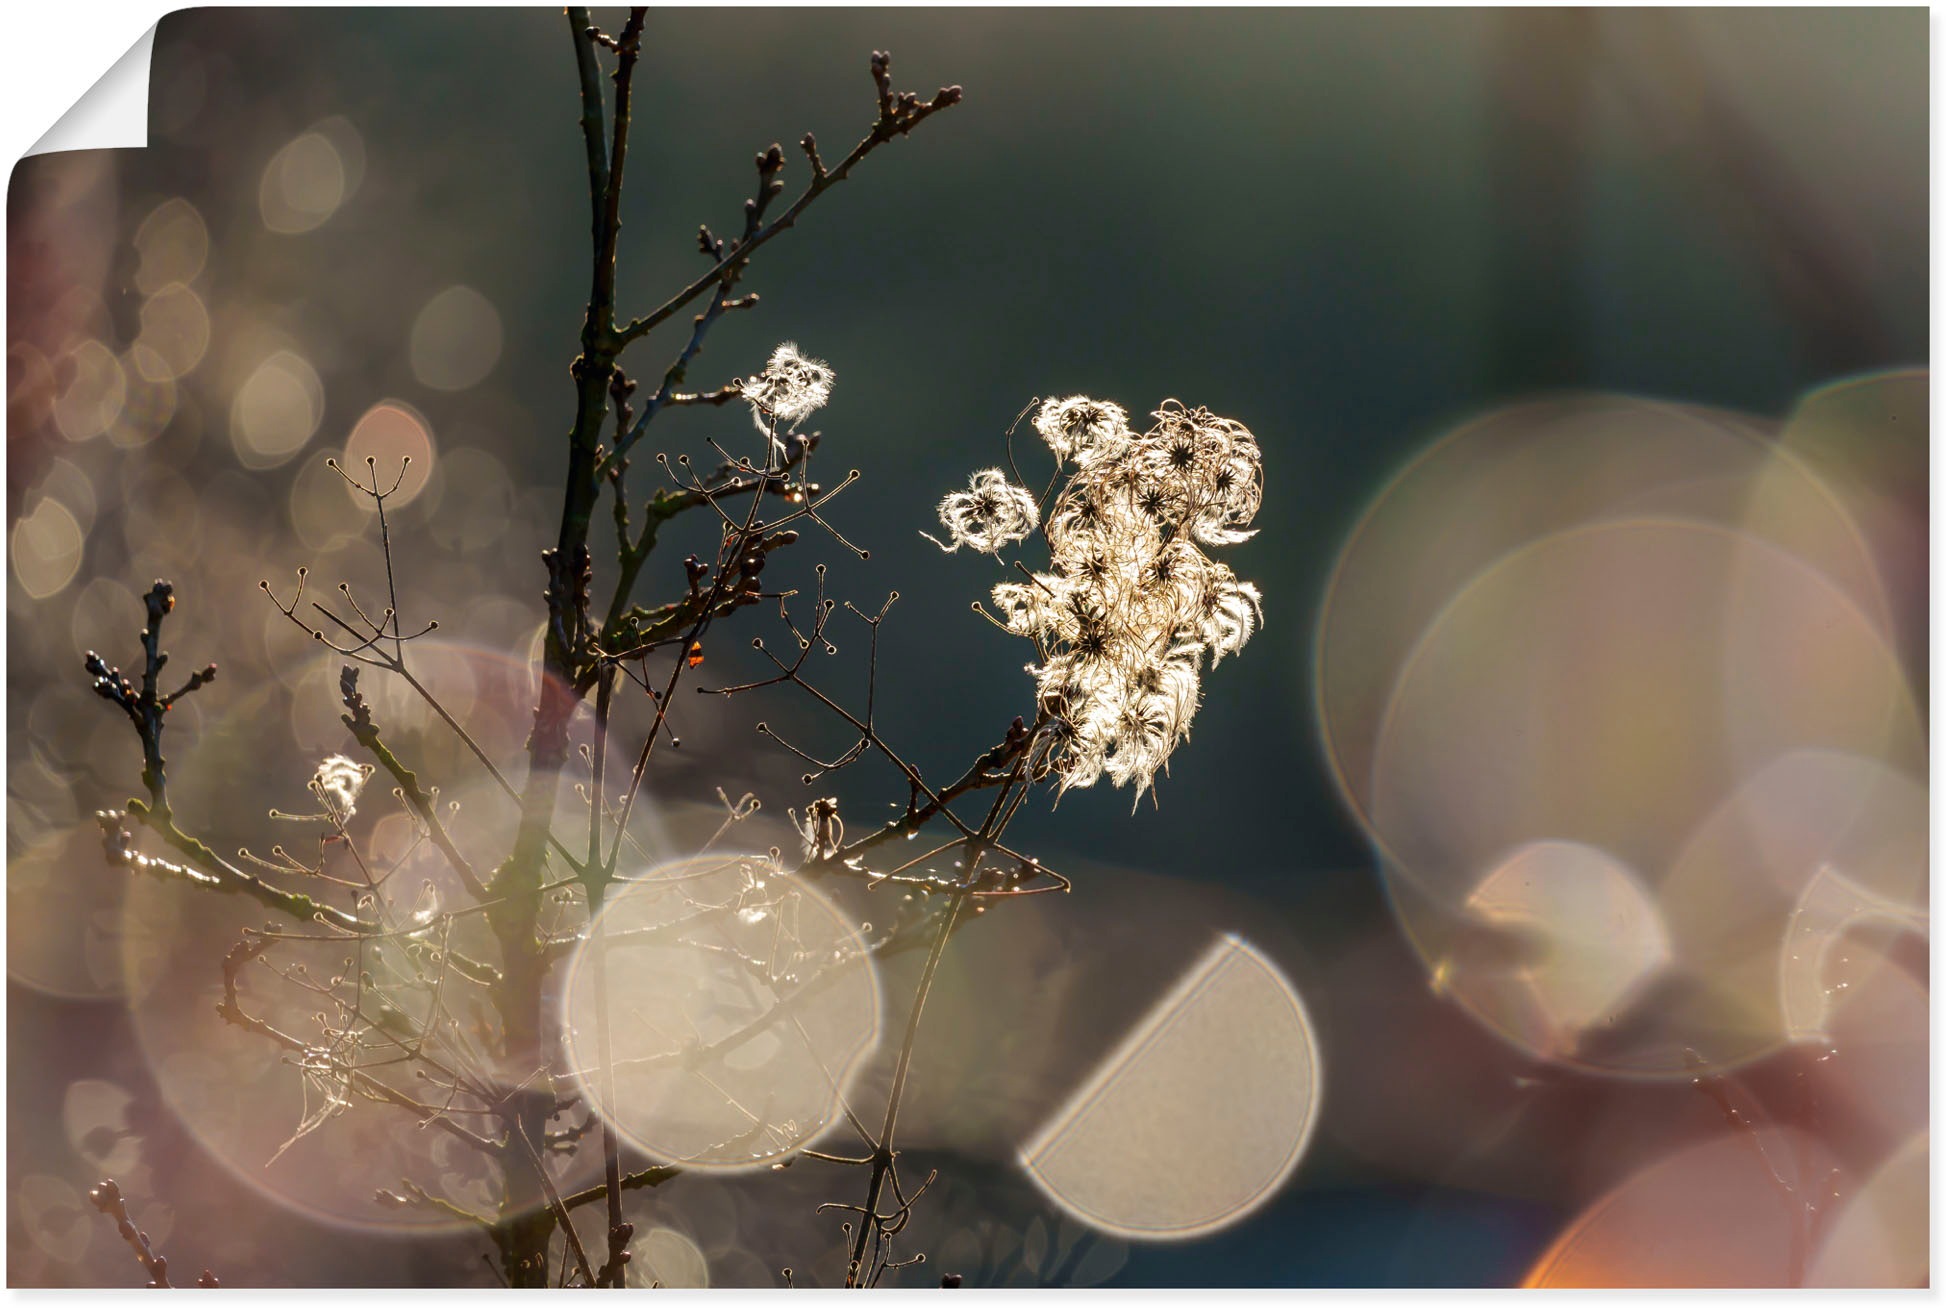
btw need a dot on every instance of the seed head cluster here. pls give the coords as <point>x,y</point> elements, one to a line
<point>1130,604</point>
<point>791,388</point>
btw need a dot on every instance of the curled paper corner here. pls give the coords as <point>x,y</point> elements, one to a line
<point>113,114</point>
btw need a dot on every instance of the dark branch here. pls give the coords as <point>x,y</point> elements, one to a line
<point>108,1198</point>
<point>897,115</point>
<point>646,1179</point>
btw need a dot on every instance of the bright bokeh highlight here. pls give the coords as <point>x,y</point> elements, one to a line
<point>741,1002</point>
<point>1198,1116</point>
<point>1674,641</point>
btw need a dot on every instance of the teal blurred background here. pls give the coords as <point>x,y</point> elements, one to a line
<point>1349,230</point>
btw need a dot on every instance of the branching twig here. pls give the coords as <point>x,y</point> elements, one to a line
<point>108,1198</point>
<point>646,1179</point>
<point>580,655</point>
<point>146,706</point>
<point>358,718</point>
<point>253,946</point>
<point>898,114</point>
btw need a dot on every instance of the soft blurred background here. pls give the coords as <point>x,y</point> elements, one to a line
<point>1576,783</point>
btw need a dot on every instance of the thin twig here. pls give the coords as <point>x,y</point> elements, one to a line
<point>108,1198</point>
<point>897,116</point>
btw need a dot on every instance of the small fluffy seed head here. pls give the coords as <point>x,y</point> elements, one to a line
<point>791,388</point>
<point>1083,430</point>
<point>988,516</point>
<point>339,781</point>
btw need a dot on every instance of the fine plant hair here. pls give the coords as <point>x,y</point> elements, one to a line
<point>437,1009</point>
<point>1129,604</point>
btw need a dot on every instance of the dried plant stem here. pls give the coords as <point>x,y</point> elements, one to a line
<point>883,1155</point>
<point>108,1198</point>
<point>421,804</point>
<point>559,1212</point>
<point>646,1179</point>
<point>896,118</point>
<point>514,1098</point>
<point>619,1231</point>
<point>872,1226</point>
<point>231,1010</point>
<point>527,1222</point>
<point>733,546</point>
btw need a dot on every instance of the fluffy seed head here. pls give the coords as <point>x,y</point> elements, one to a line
<point>338,782</point>
<point>791,388</point>
<point>1082,429</point>
<point>988,516</point>
<point>1129,604</point>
